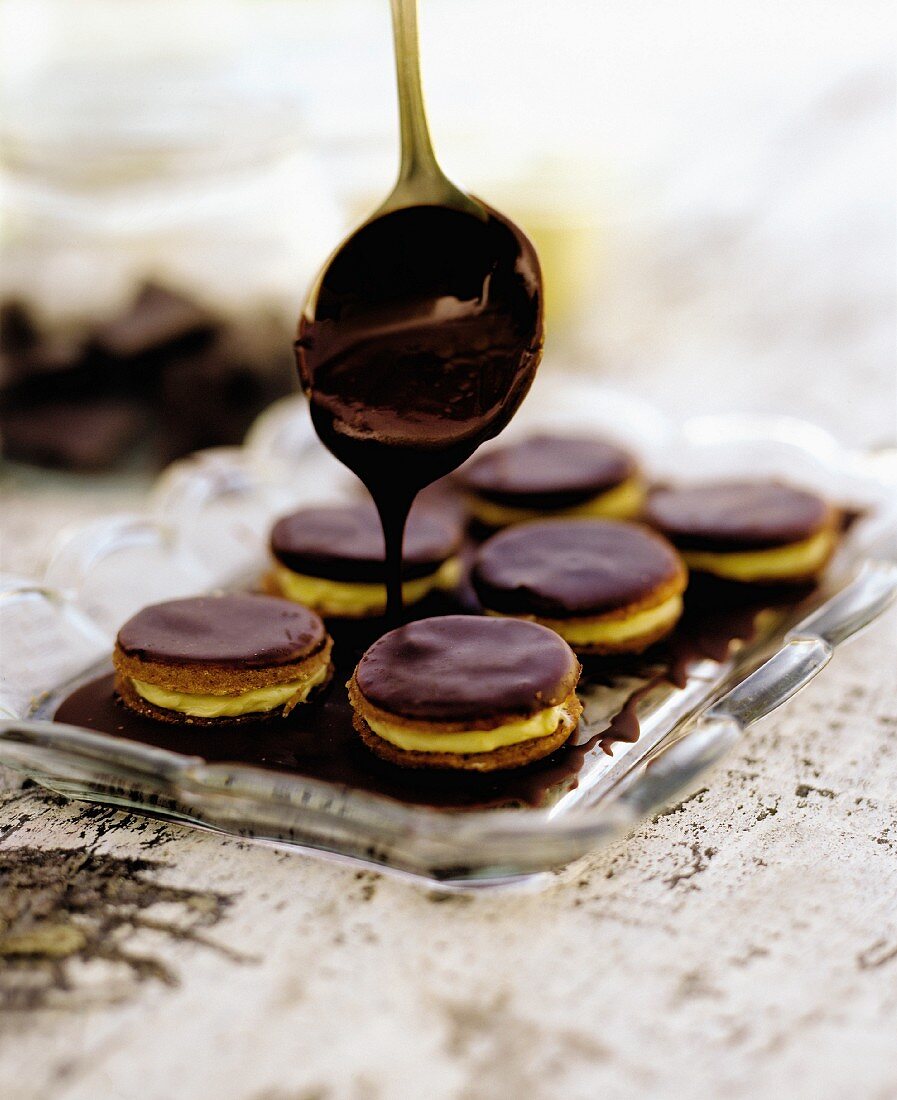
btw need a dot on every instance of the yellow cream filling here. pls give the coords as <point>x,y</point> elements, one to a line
<point>354,600</point>
<point>582,632</point>
<point>257,701</point>
<point>622,502</point>
<point>470,741</point>
<point>794,560</point>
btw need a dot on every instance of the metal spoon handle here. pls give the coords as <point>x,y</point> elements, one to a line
<point>421,181</point>
<point>418,158</point>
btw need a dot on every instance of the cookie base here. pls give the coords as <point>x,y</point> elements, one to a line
<point>130,698</point>
<point>634,645</point>
<point>508,756</point>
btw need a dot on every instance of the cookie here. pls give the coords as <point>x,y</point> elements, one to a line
<point>604,586</point>
<point>466,692</point>
<point>751,532</point>
<point>332,559</point>
<point>213,659</point>
<point>553,476</point>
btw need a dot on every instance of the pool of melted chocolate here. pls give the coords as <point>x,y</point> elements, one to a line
<point>318,740</point>
<point>421,341</point>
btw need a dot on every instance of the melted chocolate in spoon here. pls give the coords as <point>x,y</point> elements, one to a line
<point>419,342</point>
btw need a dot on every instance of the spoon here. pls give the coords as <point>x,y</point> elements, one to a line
<point>423,332</point>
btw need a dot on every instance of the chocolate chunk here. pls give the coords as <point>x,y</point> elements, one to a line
<point>28,353</point>
<point>205,383</point>
<point>210,397</point>
<point>18,331</point>
<point>73,435</point>
<point>158,318</point>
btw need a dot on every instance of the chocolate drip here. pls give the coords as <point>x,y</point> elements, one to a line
<point>345,543</point>
<point>719,618</point>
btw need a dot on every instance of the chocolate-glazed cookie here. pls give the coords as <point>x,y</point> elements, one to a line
<point>332,558</point>
<point>210,659</point>
<point>463,691</point>
<point>755,532</point>
<point>554,476</point>
<point>604,586</point>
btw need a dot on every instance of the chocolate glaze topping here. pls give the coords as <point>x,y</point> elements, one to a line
<point>737,515</point>
<point>548,471</point>
<point>561,568</point>
<point>345,543</point>
<point>459,667</point>
<point>237,629</point>
<point>422,341</point>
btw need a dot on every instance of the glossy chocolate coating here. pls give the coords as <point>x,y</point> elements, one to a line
<point>239,630</point>
<point>463,667</point>
<point>423,338</point>
<point>561,568</point>
<point>548,471</point>
<point>737,515</point>
<point>345,543</point>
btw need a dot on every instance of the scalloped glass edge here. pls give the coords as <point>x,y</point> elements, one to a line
<point>683,736</point>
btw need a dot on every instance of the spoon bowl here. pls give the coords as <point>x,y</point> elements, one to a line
<point>425,334</point>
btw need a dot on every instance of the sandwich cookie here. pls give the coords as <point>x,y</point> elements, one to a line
<point>553,476</point>
<point>466,692</point>
<point>214,659</point>
<point>604,586</point>
<point>332,559</point>
<point>754,532</point>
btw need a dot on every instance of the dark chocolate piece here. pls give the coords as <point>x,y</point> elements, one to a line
<point>238,629</point>
<point>734,516</point>
<point>18,331</point>
<point>74,435</point>
<point>426,335</point>
<point>44,364</point>
<point>561,568</point>
<point>548,471</point>
<point>210,396</point>
<point>158,317</point>
<point>202,381</point>
<point>461,667</point>
<point>346,543</point>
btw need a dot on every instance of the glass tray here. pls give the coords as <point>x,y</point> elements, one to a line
<point>205,528</point>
